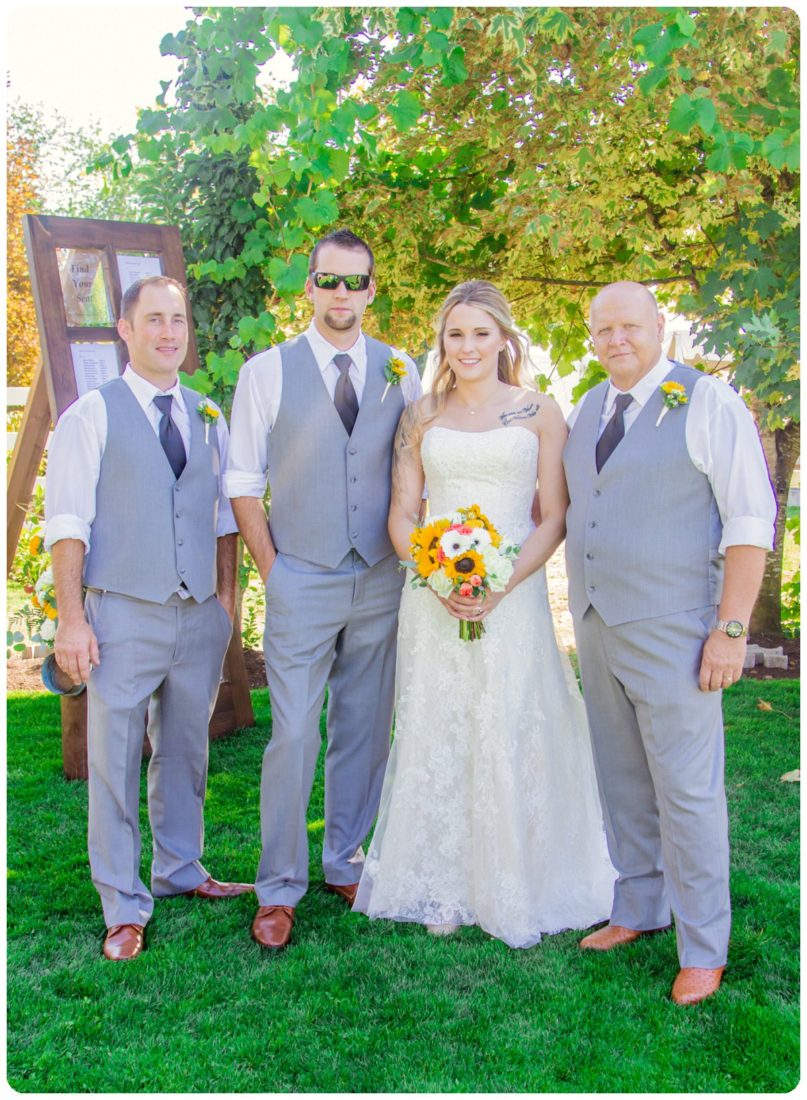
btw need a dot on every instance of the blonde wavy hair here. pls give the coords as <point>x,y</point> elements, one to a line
<point>513,358</point>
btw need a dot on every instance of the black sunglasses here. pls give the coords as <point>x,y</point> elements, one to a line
<point>323,280</point>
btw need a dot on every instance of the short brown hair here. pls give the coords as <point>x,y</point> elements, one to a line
<point>342,238</point>
<point>132,294</point>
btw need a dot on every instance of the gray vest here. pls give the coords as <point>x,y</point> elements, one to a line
<point>330,491</point>
<point>153,532</point>
<point>642,536</point>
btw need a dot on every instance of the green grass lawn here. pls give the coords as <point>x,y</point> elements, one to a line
<point>359,1006</point>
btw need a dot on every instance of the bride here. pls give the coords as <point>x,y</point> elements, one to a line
<point>489,813</point>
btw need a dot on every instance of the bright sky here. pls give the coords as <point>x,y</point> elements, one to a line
<point>98,62</point>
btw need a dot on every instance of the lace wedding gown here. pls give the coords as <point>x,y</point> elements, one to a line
<point>489,813</point>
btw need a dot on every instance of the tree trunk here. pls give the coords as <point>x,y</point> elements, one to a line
<point>781,451</point>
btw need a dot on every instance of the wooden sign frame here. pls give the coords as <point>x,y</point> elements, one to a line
<point>55,386</point>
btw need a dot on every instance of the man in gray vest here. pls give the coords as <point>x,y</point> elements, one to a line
<point>136,516</point>
<point>317,416</point>
<point>670,518</point>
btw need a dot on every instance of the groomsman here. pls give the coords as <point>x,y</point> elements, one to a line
<point>315,417</point>
<point>137,520</point>
<point>670,518</point>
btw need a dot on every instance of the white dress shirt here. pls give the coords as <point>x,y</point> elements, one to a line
<point>723,443</point>
<point>257,402</point>
<point>77,447</point>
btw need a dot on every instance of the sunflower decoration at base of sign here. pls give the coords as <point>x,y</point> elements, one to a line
<point>461,552</point>
<point>38,613</point>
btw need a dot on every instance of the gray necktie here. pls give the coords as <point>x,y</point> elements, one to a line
<point>613,432</point>
<point>169,435</point>
<point>344,396</point>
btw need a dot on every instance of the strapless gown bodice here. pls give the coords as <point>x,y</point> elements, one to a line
<point>494,469</point>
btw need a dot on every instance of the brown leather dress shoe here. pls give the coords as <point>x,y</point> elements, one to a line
<point>123,941</point>
<point>213,890</point>
<point>347,893</point>
<point>272,926</point>
<point>613,935</point>
<point>694,983</point>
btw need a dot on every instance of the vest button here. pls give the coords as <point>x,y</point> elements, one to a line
<point>597,492</point>
<point>590,557</point>
<point>176,515</point>
<point>354,480</point>
<point>179,542</point>
<point>351,450</point>
<point>354,507</point>
<point>354,534</point>
<point>591,588</point>
<point>593,523</point>
<point>182,570</point>
<point>176,488</point>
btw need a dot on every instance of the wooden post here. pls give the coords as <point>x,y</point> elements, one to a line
<point>27,455</point>
<point>74,736</point>
<point>234,705</point>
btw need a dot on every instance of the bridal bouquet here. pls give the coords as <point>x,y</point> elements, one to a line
<point>461,552</point>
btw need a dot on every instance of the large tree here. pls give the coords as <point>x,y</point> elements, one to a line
<point>551,150</point>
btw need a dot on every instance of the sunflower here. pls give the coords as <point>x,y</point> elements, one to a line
<point>425,544</point>
<point>464,566</point>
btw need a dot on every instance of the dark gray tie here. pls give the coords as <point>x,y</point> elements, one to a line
<point>344,396</point>
<point>613,431</point>
<point>169,435</point>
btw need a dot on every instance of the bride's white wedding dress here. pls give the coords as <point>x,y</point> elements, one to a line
<point>490,813</point>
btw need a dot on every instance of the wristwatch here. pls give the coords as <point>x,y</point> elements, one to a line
<point>733,627</point>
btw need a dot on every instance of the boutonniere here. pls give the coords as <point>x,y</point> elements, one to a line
<point>394,371</point>
<point>674,395</point>
<point>210,414</point>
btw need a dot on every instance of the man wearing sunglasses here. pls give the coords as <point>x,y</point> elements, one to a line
<point>316,418</point>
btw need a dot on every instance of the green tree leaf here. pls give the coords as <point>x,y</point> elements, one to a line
<point>289,278</point>
<point>454,70</point>
<point>320,210</point>
<point>405,110</point>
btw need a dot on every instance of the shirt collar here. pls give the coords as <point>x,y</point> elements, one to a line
<point>146,391</point>
<point>324,351</point>
<point>644,388</point>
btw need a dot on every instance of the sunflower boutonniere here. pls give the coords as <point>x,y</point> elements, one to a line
<point>674,395</point>
<point>209,413</point>
<point>394,371</point>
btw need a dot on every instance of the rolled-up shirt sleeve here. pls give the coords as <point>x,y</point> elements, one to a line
<point>255,406</point>
<point>74,465</point>
<point>225,523</point>
<point>724,444</point>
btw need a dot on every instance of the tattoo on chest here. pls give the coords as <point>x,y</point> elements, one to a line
<point>520,414</point>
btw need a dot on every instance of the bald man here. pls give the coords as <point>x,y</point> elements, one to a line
<point>671,515</point>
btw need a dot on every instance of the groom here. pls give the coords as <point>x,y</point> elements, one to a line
<point>313,417</point>
<point>670,517</point>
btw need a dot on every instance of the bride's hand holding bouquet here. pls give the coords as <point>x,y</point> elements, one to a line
<point>463,559</point>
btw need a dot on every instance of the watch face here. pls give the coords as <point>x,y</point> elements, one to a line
<point>734,629</point>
